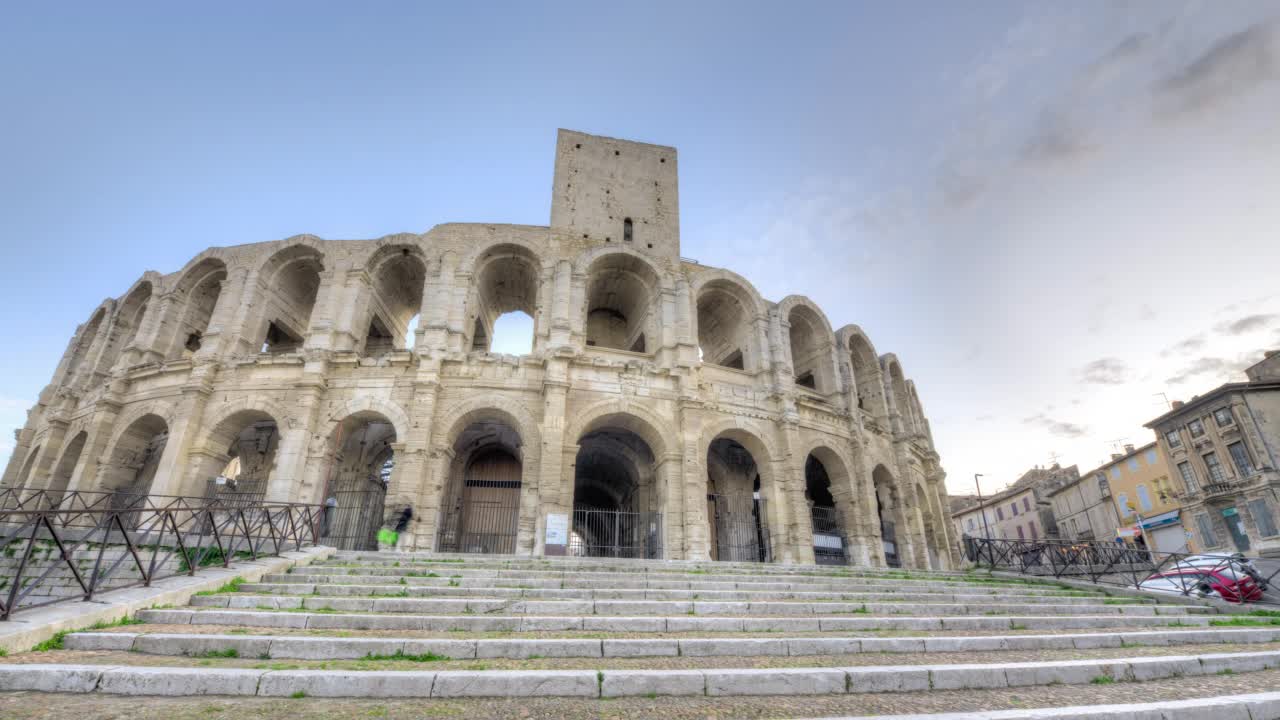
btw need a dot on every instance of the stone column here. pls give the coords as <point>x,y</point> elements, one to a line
<point>794,482</point>
<point>170,478</point>
<point>295,477</point>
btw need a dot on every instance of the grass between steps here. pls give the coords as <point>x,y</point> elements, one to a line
<point>55,642</point>
<point>400,655</point>
<point>232,585</point>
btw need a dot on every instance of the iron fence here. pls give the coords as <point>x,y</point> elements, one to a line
<point>1202,575</point>
<point>351,519</point>
<point>478,526</point>
<point>616,534</point>
<point>830,547</point>
<point>93,542</point>
<point>740,527</point>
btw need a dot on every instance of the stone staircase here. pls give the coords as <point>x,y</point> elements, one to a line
<point>573,634</point>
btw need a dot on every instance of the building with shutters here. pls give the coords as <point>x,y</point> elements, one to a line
<point>1222,450</point>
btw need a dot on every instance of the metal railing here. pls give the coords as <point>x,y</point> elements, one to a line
<point>616,534</point>
<point>740,528</point>
<point>1193,575</point>
<point>71,547</point>
<point>479,527</point>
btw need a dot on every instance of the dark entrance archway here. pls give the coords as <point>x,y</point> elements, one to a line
<point>615,497</point>
<point>739,529</point>
<point>481,510</point>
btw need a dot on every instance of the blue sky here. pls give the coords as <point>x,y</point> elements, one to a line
<point>1050,211</point>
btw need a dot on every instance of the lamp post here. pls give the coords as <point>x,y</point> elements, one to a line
<point>985,529</point>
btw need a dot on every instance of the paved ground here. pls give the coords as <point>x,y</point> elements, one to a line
<point>38,706</point>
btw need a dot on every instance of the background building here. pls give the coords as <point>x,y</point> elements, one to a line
<point>1019,512</point>
<point>1222,447</point>
<point>1083,509</point>
<point>1144,499</point>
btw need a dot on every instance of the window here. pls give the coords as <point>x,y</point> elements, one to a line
<point>1031,525</point>
<point>1133,464</point>
<point>1262,516</point>
<point>970,523</point>
<point>627,234</point>
<point>1188,476</point>
<point>1173,438</point>
<point>1104,487</point>
<point>1115,473</point>
<point>1222,416</point>
<point>1152,457</point>
<point>1026,504</point>
<point>1206,530</point>
<point>1020,535</point>
<point>1240,457</point>
<point>1215,468</point>
<point>1013,507</point>
<point>1144,498</point>
<point>999,513</point>
<point>1123,500</point>
<point>1196,428</point>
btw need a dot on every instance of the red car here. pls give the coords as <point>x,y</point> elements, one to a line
<point>1226,583</point>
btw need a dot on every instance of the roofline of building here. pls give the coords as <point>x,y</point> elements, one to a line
<point>1210,396</point>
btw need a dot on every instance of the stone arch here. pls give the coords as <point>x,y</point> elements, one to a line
<point>397,275</point>
<point>28,465</point>
<point>727,312</point>
<point>864,365</point>
<point>198,291</point>
<point>811,344</point>
<point>892,518</point>
<point>83,342</point>
<point>634,417</point>
<point>490,482</point>
<point>288,286</point>
<point>922,423</point>
<point>126,321</point>
<point>133,456</point>
<point>896,388</point>
<point>65,467</point>
<point>361,449</point>
<point>744,495</point>
<point>622,302</point>
<point>506,277</point>
<point>831,495</point>
<point>391,412</point>
<point>247,430</point>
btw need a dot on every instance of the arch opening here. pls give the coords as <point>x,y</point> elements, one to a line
<point>66,467</point>
<point>866,377</point>
<point>131,466</point>
<point>888,509</point>
<point>24,477</point>
<point>506,302</point>
<point>361,461</point>
<point>128,320</point>
<point>398,279</point>
<point>615,496</point>
<point>83,344</point>
<point>481,505</point>
<point>736,512</point>
<point>830,543</point>
<point>725,328</point>
<point>810,350</point>
<point>239,457</point>
<point>200,291</point>
<point>622,294</point>
<point>901,399</point>
<point>289,297</point>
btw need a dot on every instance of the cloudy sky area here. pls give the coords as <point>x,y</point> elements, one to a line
<point>1057,215</point>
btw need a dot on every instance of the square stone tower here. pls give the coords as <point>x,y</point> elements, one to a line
<point>618,192</point>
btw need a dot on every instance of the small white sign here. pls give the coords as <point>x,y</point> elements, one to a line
<point>829,542</point>
<point>557,529</point>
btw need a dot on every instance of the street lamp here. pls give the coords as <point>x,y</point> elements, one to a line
<point>985,529</point>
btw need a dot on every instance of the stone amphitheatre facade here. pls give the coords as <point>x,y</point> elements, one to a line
<point>665,409</point>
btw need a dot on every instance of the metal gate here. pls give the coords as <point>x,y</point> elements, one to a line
<point>889,539</point>
<point>616,534</point>
<point>483,515</point>
<point>351,519</point>
<point>829,544</point>
<point>739,528</point>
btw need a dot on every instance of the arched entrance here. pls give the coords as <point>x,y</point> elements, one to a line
<point>66,467</point>
<point>615,497</point>
<point>735,510</point>
<point>132,463</point>
<point>830,543</point>
<point>360,469</point>
<point>889,511</point>
<point>481,508</point>
<point>237,459</point>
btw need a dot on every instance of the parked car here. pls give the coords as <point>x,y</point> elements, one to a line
<point>1226,583</point>
<point>1237,562</point>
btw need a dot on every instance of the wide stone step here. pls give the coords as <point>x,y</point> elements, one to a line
<point>575,583</point>
<point>586,575</point>
<point>337,648</point>
<point>651,623</point>
<point>1251,706</point>
<point>392,602</point>
<point>175,681</point>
